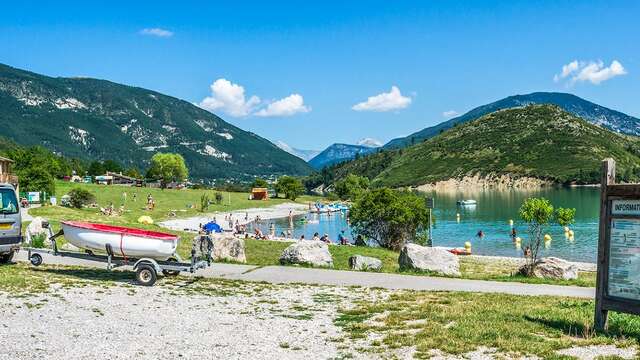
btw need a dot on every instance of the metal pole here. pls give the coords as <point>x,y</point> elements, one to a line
<point>430,237</point>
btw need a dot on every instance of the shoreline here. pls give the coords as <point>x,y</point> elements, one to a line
<point>244,217</point>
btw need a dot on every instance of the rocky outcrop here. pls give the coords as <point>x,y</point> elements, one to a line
<point>554,268</point>
<point>365,263</point>
<point>491,181</point>
<point>433,259</point>
<point>228,248</point>
<point>307,252</point>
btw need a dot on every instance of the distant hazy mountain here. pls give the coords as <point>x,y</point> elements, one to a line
<point>338,153</point>
<point>594,113</point>
<point>369,142</point>
<point>97,119</point>
<point>305,155</point>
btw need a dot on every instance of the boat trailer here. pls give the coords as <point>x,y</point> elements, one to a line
<point>146,269</point>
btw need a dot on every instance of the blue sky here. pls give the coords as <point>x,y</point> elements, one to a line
<point>310,65</point>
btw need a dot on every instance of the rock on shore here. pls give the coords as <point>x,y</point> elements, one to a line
<point>421,258</point>
<point>359,262</point>
<point>307,252</point>
<point>230,248</point>
<point>555,268</point>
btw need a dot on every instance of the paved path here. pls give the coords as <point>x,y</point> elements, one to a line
<point>288,274</point>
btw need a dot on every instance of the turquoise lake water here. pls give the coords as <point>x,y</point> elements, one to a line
<point>492,213</point>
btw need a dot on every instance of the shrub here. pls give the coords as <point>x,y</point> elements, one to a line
<point>390,217</point>
<point>538,213</point>
<point>204,202</point>
<point>37,240</point>
<point>78,198</point>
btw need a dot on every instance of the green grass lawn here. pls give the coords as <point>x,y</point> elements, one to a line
<point>258,252</point>
<point>457,323</point>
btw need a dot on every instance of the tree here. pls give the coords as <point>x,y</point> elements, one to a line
<point>37,179</point>
<point>259,183</point>
<point>79,198</point>
<point>133,172</point>
<point>351,186</point>
<point>168,167</point>
<point>539,213</point>
<point>112,166</point>
<point>390,217</point>
<point>290,187</point>
<point>96,168</point>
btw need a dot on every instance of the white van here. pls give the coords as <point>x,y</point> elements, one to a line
<point>10,223</point>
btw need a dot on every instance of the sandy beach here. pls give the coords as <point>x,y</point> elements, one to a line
<point>244,216</point>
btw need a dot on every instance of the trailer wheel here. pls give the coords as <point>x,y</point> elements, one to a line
<point>146,275</point>
<point>36,259</point>
<point>6,258</point>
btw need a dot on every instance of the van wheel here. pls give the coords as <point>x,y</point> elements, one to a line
<point>6,258</point>
<point>36,259</point>
<point>146,275</point>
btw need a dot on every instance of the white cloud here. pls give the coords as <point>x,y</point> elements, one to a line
<point>392,100</point>
<point>288,106</point>
<point>229,98</point>
<point>593,71</point>
<point>157,32</point>
<point>450,114</point>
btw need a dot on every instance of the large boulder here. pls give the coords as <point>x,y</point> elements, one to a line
<point>35,226</point>
<point>228,248</point>
<point>421,258</point>
<point>307,252</point>
<point>359,262</point>
<point>555,268</point>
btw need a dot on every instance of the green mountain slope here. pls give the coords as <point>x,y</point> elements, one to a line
<point>97,119</point>
<point>594,113</point>
<point>541,141</point>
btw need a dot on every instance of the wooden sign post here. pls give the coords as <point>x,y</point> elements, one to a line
<point>618,281</point>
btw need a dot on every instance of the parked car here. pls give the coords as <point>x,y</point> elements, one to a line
<point>10,223</point>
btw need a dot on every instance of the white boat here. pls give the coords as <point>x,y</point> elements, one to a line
<point>466,202</point>
<point>125,242</point>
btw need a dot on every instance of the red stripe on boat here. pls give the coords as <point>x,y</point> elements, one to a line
<point>121,230</point>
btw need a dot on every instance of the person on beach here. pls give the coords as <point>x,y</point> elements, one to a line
<point>246,216</point>
<point>135,197</point>
<point>316,237</point>
<point>342,239</point>
<point>302,237</point>
<point>289,235</point>
<point>325,239</point>
<point>527,251</point>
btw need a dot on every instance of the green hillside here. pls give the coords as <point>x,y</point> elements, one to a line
<point>97,119</point>
<point>541,141</point>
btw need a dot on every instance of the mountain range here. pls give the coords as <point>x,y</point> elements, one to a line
<point>305,155</point>
<point>534,141</point>
<point>337,153</point>
<point>97,119</point>
<point>594,113</point>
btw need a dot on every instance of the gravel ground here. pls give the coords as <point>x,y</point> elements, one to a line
<point>254,321</point>
<point>193,318</point>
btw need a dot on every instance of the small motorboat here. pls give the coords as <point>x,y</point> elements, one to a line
<point>469,202</point>
<point>124,241</point>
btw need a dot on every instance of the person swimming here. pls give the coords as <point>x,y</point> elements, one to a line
<point>480,234</point>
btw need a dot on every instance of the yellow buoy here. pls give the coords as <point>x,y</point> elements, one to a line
<point>571,233</point>
<point>566,229</point>
<point>518,239</point>
<point>467,246</point>
<point>511,222</point>
<point>547,237</point>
